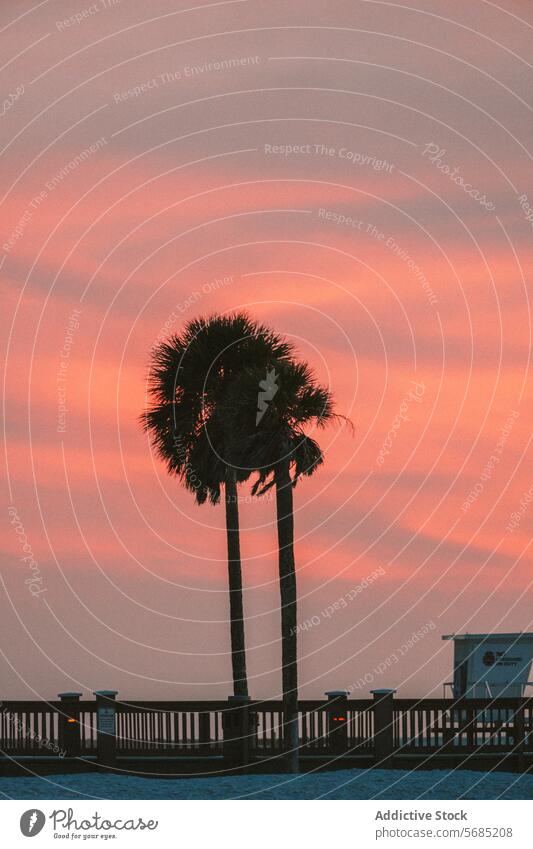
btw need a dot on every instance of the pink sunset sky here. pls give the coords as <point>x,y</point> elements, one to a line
<point>359,176</point>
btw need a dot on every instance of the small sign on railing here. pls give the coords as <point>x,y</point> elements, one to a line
<point>106,720</point>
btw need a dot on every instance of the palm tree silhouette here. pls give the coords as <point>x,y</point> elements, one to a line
<point>190,377</point>
<point>269,429</point>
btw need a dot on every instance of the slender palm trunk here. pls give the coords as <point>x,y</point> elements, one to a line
<point>238,651</point>
<point>287,586</point>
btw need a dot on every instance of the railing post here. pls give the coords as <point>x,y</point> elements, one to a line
<point>106,740</point>
<point>204,731</point>
<point>471,718</point>
<point>238,724</point>
<point>519,736</point>
<point>69,725</point>
<point>449,736</point>
<point>383,727</point>
<point>337,720</point>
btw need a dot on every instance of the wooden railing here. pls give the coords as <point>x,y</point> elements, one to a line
<point>475,724</point>
<point>378,727</point>
<point>28,727</point>
<point>169,727</point>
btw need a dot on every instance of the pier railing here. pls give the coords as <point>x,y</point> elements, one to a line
<point>380,728</point>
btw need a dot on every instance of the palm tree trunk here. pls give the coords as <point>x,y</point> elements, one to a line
<point>287,586</point>
<point>238,650</point>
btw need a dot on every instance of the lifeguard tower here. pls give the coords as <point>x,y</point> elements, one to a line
<point>491,665</point>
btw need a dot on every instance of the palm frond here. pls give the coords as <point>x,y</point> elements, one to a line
<point>190,377</point>
<point>306,456</point>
